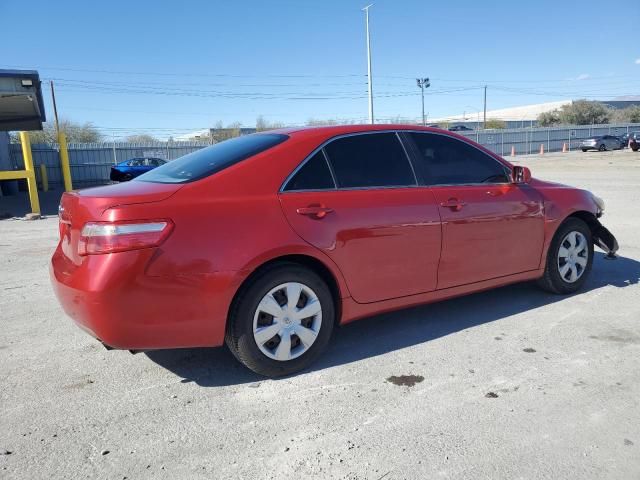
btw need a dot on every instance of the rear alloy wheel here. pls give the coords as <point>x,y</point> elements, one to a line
<point>569,258</point>
<point>282,321</point>
<point>287,321</point>
<point>602,148</point>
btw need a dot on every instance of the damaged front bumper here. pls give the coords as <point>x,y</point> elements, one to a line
<point>605,240</point>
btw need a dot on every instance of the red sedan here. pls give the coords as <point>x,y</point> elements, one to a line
<point>268,241</point>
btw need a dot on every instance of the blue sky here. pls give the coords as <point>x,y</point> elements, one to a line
<point>170,67</point>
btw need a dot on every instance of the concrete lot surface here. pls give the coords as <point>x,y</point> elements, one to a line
<point>511,383</point>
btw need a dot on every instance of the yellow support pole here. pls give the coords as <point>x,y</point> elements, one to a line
<point>31,174</point>
<point>44,177</point>
<point>64,161</point>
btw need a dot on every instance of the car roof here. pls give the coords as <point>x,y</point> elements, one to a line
<point>335,130</point>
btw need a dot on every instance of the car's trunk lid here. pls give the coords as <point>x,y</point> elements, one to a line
<point>82,206</point>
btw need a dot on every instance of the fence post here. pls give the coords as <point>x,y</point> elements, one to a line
<point>115,159</point>
<point>44,177</point>
<point>31,174</point>
<point>548,139</point>
<point>64,161</point>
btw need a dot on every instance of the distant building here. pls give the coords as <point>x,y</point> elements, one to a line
<point>525,115</point>
<point>216,134</point>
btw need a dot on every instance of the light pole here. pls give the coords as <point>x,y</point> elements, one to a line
<point>484,122</point>
<point>366,13</point>
<point>422,84</point>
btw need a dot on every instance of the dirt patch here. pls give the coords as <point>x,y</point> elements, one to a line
<point>405,380</point>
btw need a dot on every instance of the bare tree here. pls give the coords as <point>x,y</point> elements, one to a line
<point>141,138</point>
<point>262,124</point>
<point>314,122</point>
<point>75,132</point>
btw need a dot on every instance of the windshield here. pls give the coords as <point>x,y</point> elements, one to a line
<point>210,160</point>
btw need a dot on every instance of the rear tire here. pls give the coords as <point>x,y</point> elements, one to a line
<point>602,148</point>
<point>267,307</point>
<point>570,255</point>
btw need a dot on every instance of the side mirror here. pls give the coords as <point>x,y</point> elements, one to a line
<point>520,174</point>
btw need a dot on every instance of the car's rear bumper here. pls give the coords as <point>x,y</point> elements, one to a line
<point>112,298</point>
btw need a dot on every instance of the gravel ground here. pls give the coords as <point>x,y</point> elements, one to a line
<point>511,383</point>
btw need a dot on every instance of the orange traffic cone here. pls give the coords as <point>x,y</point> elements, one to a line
<point>564,148</point>
<point>542,149</point>
<point>513,151</point>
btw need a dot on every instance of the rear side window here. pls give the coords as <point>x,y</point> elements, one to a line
<point>313,175</point>
<point>370,160</point>
<point>444,160</point>
<point>210,160</point>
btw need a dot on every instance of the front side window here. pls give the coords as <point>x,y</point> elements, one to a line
<point>370,160</point>
<point>210,160</point>
<point>313,175</point>
<point>444,160</point>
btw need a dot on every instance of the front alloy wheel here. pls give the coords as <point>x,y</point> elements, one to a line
<point>573,256</point>
<point>569,257</point>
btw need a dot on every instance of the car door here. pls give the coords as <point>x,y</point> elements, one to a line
<point>491,227</point>
<point>613,143</point>
<point>357,200</point>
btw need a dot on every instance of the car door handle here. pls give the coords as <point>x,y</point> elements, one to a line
<point>315,211</point>
<point>453,204</point>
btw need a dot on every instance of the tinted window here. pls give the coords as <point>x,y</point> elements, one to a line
<point>444,160</point>
<point>210,160</point>
<point>313,175</point>
<point>370,160</point>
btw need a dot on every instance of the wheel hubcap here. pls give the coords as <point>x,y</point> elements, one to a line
<point>287,321</point>
<point>573,256</point>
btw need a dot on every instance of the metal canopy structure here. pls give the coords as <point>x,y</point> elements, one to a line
<point>21,105</point>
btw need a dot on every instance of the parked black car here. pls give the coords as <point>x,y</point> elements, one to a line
<point>134,167</point>
<point>460,128</point>
<point>624,139</point>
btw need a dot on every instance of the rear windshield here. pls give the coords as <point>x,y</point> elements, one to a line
<point>210,160</point>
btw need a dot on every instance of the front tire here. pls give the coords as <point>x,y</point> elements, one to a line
<point>584,150</point>
<point>602,148</point>
<point>569,258</point>
<point>281,321</point>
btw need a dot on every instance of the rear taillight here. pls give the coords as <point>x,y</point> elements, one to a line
<point>110,237</point>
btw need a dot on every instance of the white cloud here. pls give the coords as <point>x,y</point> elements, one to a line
<point>637,61</point>
<point>583,76</point>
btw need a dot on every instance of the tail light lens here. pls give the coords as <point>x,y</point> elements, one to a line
<point>110,237</point>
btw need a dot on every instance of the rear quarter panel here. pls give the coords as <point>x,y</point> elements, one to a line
<point>227,224</point>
